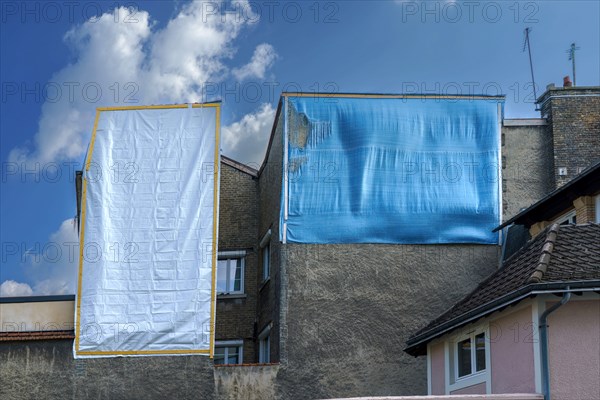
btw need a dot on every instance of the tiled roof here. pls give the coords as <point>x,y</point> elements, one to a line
<point>39,335</point>
<point>560,254</point>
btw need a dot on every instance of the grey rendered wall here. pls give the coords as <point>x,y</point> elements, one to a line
<point>527,167</point>
<point>350,309</point>
<point>47,370</point>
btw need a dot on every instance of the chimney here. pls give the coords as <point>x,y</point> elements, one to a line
<point>567,81</point>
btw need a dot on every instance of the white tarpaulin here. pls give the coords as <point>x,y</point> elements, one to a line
<point>148,232</point>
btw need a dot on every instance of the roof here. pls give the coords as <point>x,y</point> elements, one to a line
<point>35,299</point>
<point>561,199</point>
<point>239,166</point>
<point>40,335</point>
<point>560,256</point>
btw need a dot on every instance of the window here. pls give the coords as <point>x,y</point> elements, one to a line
<point>470,355</point>
<point>230,272</point>
<point>265,245</point>
<point>266,262</point>
<point>568,218</point>
<point>264,345</point>
<point>229,352</point>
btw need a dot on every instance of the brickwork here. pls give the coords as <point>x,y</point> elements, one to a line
<point>585,208</point>
<point>238,218</point>
<point>270,293</point>
<point>573,115</point>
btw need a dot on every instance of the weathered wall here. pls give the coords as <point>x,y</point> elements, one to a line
<point>527,169</point>
<point>257,382</point>
<point>47,370</point>
<point>350,309</point>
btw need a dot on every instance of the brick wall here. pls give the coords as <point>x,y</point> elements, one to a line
<point>585,208</point>
<point>573,115</point>
<point>238,218</point>
<point>270,293</point>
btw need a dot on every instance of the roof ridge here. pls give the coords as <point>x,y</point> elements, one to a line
<point>544,260</point>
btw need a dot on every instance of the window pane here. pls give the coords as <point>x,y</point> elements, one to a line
<point>232,356</point>
<point>236,275</point>
<point>222,276</point>
<point>480,351</point>
<point>219,356</point>
<point>264,355</point>
<point>464,357</point>
<point>266,261</point>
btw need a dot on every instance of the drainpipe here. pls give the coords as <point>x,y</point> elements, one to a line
<point>543,328</point>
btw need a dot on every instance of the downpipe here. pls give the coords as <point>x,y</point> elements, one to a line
<point>543,328</point>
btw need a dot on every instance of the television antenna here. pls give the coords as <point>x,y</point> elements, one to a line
<point>527,45</point>
<point>571,53</point>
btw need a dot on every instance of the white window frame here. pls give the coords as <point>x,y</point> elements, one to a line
<point>266,262</point>
<point>264,345</point>
<point>234,255</point>
<point>569,217</point>
<point>265,245</point>
<point>471,337</point>
<point>453,381</point>
<point>232,343</point>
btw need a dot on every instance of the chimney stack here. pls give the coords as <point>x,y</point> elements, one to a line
<point>567,81</point>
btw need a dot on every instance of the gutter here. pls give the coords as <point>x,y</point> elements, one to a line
<point>500,303</point>
<point>543,329</point>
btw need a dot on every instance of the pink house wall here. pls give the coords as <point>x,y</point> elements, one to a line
<point>475,389</point>
<point>438,375</point>
<point>511,353</point>
<point>574,350</point>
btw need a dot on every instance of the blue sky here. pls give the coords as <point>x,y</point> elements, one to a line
<point>60,61</point>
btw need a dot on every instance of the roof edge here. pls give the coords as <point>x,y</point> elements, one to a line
<point>395,95</point>
<point>413,343</point>
<point>271,136</point>
<point>239,166</point>
<point>36,299</point>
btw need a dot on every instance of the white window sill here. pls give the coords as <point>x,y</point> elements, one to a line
<point>469,380</point>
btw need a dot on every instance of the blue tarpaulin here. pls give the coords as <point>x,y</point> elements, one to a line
<point>391,170</point>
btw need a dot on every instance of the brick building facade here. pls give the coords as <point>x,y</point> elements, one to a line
<point>327,320</point>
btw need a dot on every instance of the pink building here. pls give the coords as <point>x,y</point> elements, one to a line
<point>533,326</point>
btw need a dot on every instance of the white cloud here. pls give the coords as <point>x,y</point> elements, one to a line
<point>10,288</point>
<point>51,267</point>
<point>247,139</point>
<point>115,59</point>
<point>263,58</point>
<point>58,274</point>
